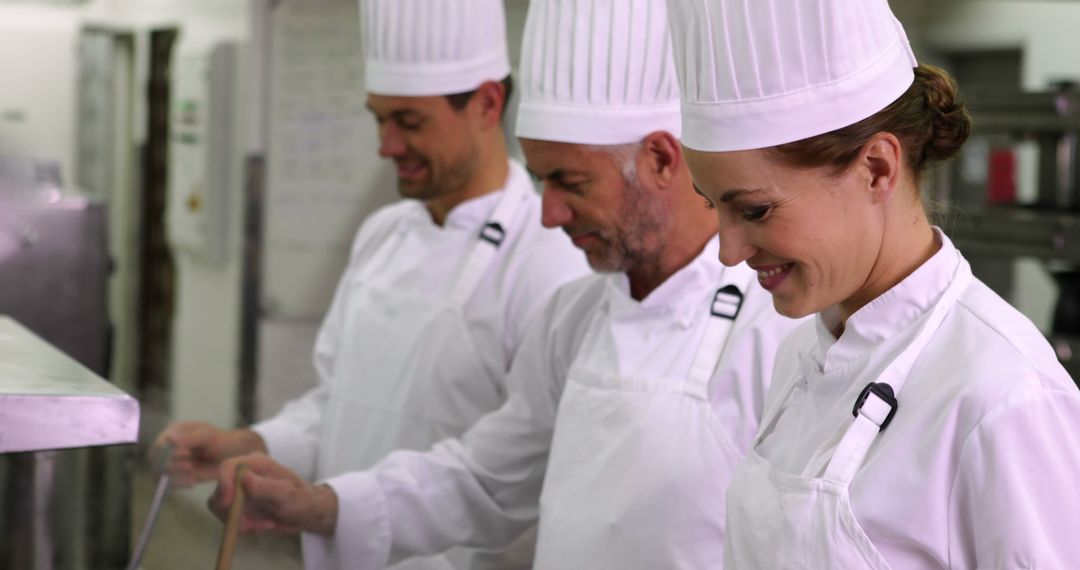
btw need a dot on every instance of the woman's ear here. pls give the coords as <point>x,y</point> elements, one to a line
<point>883,158</point>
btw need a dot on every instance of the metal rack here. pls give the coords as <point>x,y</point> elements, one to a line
<point>1049,228</point>
<point>1002,231</point>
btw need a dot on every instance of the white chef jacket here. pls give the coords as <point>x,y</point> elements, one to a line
<point>417,261</point>
<point>980,464</point>
<point>482,490</point>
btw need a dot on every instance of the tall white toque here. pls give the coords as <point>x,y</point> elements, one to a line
<point>760,73</point>
<point>433,47</point>
<point>597,72</point>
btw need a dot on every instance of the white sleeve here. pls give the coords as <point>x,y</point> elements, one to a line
<point>480,491</point>
<point>551,262</point>
<point>1014,502</point>
<point>292,436</point>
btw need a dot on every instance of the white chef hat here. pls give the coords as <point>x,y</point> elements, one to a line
<point>597,72</point>
<point>756,74</point>
<point>433,47</point>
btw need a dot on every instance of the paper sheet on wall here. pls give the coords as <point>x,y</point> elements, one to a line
<point>324,174</point>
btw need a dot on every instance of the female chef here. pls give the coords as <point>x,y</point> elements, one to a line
<point>918,421</point>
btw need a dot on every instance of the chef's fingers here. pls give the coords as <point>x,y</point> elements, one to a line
<point>226,476</point>
<point>265,466</point>
<point>273,488</point>
<point>186,435</point>
<point>199,471</point>
<point>217,505</point>
<point>263,525</point>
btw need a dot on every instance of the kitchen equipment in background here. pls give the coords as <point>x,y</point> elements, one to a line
<point>1066,159</point>
<point>1001,179</point>
<point>1049,118</point>
<point>994,230</point>
<point>53,261</point>
<point>1067,310</point>
<point>64,509</point>
<point>206,86</point>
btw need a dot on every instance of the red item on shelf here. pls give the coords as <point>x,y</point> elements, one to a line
<point>1001,180</point>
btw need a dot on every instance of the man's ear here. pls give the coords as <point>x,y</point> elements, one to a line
<point>882,159</point>
<point>660,159</point>
<point>488,103</point>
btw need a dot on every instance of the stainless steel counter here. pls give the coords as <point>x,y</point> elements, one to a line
<point>49,401</point>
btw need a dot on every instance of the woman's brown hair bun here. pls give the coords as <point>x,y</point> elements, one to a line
<point>950,120</point>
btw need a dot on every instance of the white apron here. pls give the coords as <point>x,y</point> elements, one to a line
<point>639,465</point>
<point>410,373</point>
<point>776,520</point>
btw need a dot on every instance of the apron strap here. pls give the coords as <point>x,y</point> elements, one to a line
<point>490,238</point>
<point>877,403</point>
<point>725,307</point>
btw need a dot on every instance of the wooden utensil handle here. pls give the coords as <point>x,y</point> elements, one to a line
<point>232,525</point>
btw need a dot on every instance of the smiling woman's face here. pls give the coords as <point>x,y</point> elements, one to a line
<point>812,235</point>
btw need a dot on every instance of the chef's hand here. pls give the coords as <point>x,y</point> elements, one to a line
<point>199,448</point>
<point>275,498</point>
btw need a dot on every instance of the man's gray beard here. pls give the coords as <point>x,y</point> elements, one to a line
<point>638,241</point>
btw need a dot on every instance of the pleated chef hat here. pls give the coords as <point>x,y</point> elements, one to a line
<point>597,72</point>
<point>433,47</point>
<point>760,73</point>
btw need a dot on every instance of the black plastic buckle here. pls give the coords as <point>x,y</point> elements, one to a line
<point>727,302</point>
<point>493,233</point>
<point>883,391</point>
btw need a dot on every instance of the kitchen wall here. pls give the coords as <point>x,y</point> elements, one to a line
<point>37,94</point>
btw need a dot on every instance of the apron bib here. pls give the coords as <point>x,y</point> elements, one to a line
<point>408,374</point>
<point>638,465</point>
<point>781,521</point>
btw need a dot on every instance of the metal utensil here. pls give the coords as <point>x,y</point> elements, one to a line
<point>161,466</point>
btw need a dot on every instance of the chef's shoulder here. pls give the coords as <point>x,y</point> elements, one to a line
<point>576,301</point>
<point>383,221</point>
<point>558,331</point>
<point>570,309</point>
<point>994,356</point>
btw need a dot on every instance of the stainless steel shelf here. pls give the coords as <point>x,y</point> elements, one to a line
<point>1008,232</point>
<point>1028,112</point>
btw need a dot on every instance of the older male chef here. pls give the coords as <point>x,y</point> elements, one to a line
<point>441,286</point>
<point>634,394</point>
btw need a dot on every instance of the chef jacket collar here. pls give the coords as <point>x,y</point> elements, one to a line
<point>473,213</point>
<point>680,295</point>
<point>889,314</point>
